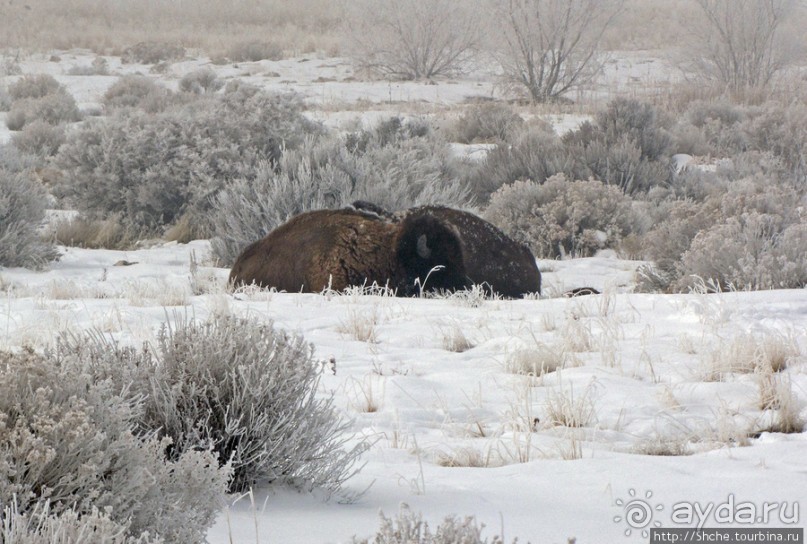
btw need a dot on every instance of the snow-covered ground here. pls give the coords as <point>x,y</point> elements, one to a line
<point>661,393</point>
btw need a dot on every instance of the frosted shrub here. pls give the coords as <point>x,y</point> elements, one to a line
<point>41,526</point>
<point>254,51</point>
<point>534,155</point>
<point>759,218</point>
<point>719,124</point>
<point>53,108</point>
<point>22,209</point>
<point>391,165</point>
<point>637,122</point>
<point>39,138</point>
<point>409,528</point>
<point>98,67</point>
<point>200,81</point>
<point>781,130</point>
<point>487,122</point>
<point>245,391</point>
<point>34,86</point>
<point>5,99</point>
<point>69,437</point>
<point>153,169</point>
<point>752,251</point>
<point>627,145</point>
<point>136,91</point>
<point>560,217</point>
<point>620,163</point>
<point>152,53</point>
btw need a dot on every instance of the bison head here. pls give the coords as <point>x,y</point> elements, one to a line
<point>429,252</point>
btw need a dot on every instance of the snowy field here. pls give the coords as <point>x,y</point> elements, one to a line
<point>635,393</point>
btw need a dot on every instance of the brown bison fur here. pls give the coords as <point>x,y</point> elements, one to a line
<point>341,248</point>
<point>492,259</point>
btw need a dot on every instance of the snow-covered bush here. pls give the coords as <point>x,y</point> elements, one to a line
<point>486,122</point>
<point>627,145</point>
<point>39,138</point>
<point>719,124</point>
<point>409,528</point>
<point>34,86</point>
<point>561,217</point>
<point>535,155</point>
<point>98,67</point>
<point>154,168</point>
<point>22,210</point>
<point>637,122</point>
<point>751,251</point>
<point>42,526</point>
<point>69,438</point>
<point>744,233</point>
<point>781,130</point>
<point>152,53</point>
<point>136,91</point>
<point>396,165</point>
<point>200,81</point>
<point>5,99</point>
<point>253,51</point>
<point>244,390</point>
<point>53,108</point>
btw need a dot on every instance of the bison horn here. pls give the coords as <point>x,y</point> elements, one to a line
<point>423,248</point>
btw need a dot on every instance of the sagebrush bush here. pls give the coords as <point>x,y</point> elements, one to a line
<point>69,437</point>
<point>751,251</point>
<point>137,91</point>
<point>562,218</point>
<point>14,161</point>
<point>395,165</point>
<point>253,51</point>
<point>152,169</point>
<point>718,123</point>
<point>152,53</point>
<point>241,389</point>
<point>782,131</point>
<point>408,527</point>
<point>748,216</point>
<point>40,525</point>
<point>200,81</point>
<point>637,122</point>
<point>5,99</point>
<point>53,108</point>
<point>39,138</point>
<point>535,155</point>
<point>487,122</point>
<point>98,67</point>
<point>22,210</point>
<point>34,86</point>
<point>628,145</point>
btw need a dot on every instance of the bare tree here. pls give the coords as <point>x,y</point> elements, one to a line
<point>739,44</point>
<point>413,39</point>
<point>550,47</point>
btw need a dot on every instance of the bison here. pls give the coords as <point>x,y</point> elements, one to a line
<point>340,248</point>
<point>491,258</point>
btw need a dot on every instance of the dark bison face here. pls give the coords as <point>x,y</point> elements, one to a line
<point>429,250</point>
